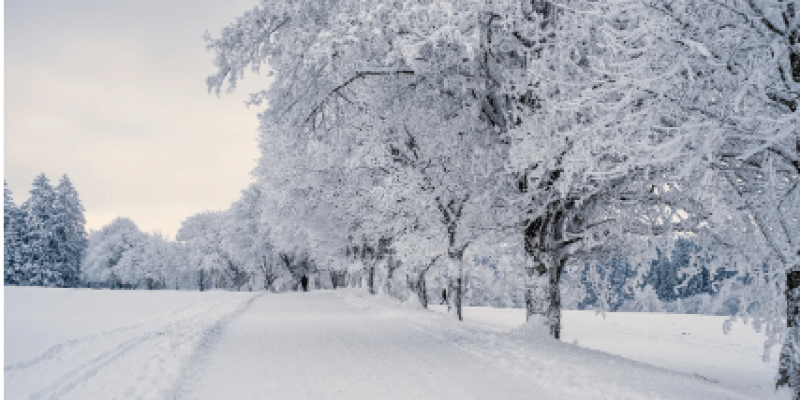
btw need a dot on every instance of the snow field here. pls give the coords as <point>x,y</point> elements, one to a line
<point>81,344</point>
<point>347,344</point>
<point>548,365</point>
<point>690,344</point>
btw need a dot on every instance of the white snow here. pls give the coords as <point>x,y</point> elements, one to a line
<point>691,344</point>
<point>101,344</point>
<point>346,344</point>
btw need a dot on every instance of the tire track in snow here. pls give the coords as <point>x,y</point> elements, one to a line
<point>81,374</point>
<point>63,347</point>
<point>196,363</point>
<point>56,350</point>
<point>140,361</point>
<point>86,371</point>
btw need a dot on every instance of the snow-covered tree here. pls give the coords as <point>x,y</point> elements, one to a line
<point>45,238</point>
<point>204,236</point>
<point>629,124</point>
<point>13,236</point>
<point>71,240</point>
<point>41,261</point>
<point>594,183</point>
<point>699,99</point>
<point>401,110</point>
<point>120,256</point>
<point>246,238</point>
<point>150,263</point>
<point>109,255</point>
<point>738,86</point>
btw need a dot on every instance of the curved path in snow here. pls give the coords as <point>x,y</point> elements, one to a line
<point>345,345</point>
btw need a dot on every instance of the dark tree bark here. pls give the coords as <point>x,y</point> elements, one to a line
<point>371,278</point>
<point>338,279</point>
<point>547,245</point>
<point>794,40</point>
<point>218,279</point>
<point>418,286</point>
<point>546,298</point>
<point>455,294</point>
<point>154,284</point>
<point>422,290</point>
<point>543,293</point>
<point>270,275</point>
<point>789,362</point>
<point>353,279</point>
<point>370,257</point>
<point>391,266</point>
<point>237,276</point>
<point>455,284</point>
<point>202,280</point>
<point>451,216</point>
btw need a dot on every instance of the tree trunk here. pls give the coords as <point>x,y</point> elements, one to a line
<point>371,278</point>
<point>417,286</point>
<point>794,39</point>
<point>543,295</point>
<point>554,301</point>
<point>391,267</point>
<point>339,279</point>
<point>455,292</point>
<point>422,290</point>
<point>455,288</point>
<point>789,363</point>
<point>201,280</point>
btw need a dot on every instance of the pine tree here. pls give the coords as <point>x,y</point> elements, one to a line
<point>71,238</point>
<point>40,260</point>
<point>13,235</point>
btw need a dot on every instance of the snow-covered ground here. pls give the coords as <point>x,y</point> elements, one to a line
<point>100,344</point>
<point>691,344</point>
<point>345,344</point>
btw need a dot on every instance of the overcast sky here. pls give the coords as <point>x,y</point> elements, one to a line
<point>112,93</point>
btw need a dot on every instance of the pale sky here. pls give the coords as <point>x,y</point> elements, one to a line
<point>113,94</point>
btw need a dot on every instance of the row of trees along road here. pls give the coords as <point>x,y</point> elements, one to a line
<point>405,133</point>
<point>44,239</point>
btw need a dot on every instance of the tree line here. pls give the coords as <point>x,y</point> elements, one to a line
<point>212,250</point>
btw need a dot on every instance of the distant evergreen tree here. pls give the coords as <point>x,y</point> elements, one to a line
<point>13,236</point>
<point>670,277</point>
<point>670,280</point>
<point>617,273</point>
<point>71,238</point>
<point>40,258</point>
<point>664,271</point>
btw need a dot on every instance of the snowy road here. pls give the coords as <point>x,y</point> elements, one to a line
<point>344,344</point>
<point>320,345</point>
<point>316,346</point>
